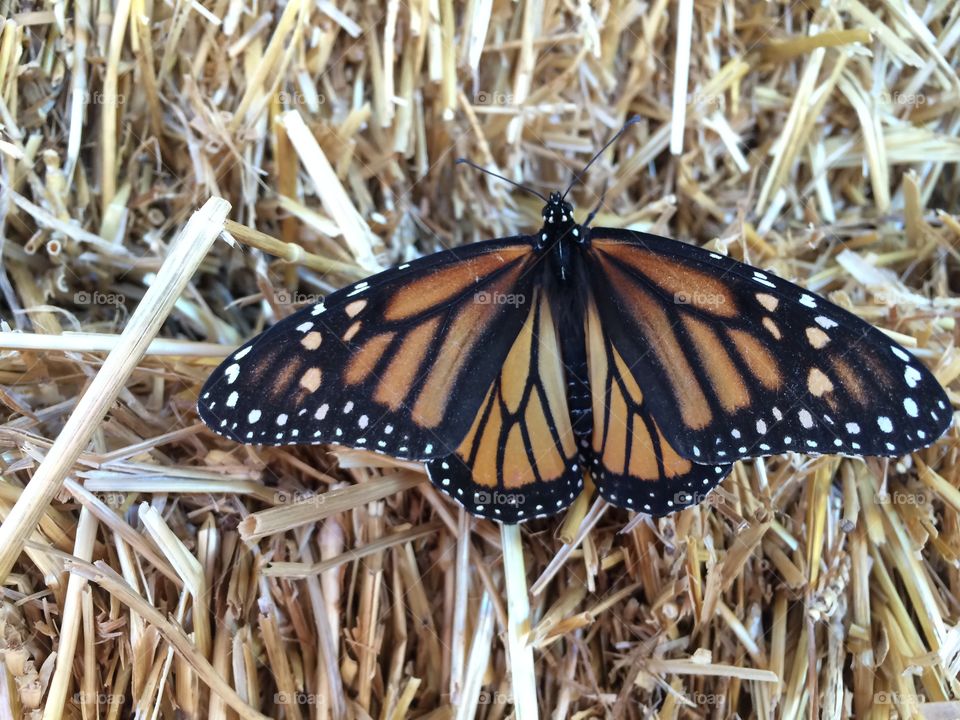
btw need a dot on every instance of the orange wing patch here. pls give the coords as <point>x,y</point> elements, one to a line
<point>461,337</point>
<point>683,285</point>
<point>726,380</point>
<point>364,361</point>
<point>662,340</point>
<point>440,286</point>
<point>395,385</point>
<point>758,358</point>
<point>633,464</point>
<point>519,457</point>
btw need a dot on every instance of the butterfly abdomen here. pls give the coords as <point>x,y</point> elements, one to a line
<point>573,349</point>
<point>580,404</point>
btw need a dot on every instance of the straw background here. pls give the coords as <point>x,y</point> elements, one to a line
<point>176,574</point>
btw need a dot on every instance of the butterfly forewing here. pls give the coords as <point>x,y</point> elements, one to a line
<point>519,459</point>
<point>632,463</point>
<point>735,362</point>
<point>398,364</point>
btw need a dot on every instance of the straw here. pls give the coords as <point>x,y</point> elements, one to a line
<point>817,142</point>
<point>186,253</point>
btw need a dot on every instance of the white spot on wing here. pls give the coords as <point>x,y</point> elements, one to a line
<point>911,375</point>
<point>808,301</point>
<point>358,288</point>
<point>885,424</point>
<point>231,372</point>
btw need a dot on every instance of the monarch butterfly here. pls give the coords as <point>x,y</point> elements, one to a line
<point>511,367</point>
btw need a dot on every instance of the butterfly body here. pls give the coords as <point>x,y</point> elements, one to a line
<point>513,367</point>
<point>566,283</point>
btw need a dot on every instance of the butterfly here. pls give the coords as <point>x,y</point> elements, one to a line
<point>513,367</point>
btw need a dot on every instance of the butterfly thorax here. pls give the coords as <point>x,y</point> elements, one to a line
<point>559,236</point>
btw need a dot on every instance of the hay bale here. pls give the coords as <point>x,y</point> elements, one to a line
<point>173,572</point>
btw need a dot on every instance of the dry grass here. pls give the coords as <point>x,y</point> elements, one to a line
<point>164,570</point>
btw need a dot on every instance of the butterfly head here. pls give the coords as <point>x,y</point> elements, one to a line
<point>557,210</point>
<point>558,223</point>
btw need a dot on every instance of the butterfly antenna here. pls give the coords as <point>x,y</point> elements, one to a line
<point>472,164</point>
<point>593,213</point>
<point>611,141</point>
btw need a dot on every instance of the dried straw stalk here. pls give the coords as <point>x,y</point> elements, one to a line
<point>818,142</point>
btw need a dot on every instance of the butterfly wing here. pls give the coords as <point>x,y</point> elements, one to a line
<point>736,363</point>
<point>519,458</point>
<point>398,363</point>
<point>633,465</point>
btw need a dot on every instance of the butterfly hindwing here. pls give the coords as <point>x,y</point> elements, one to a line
<point>736,363</point>
<point>519,458</point>
<point>398,363</point>
<point>632,463</point>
